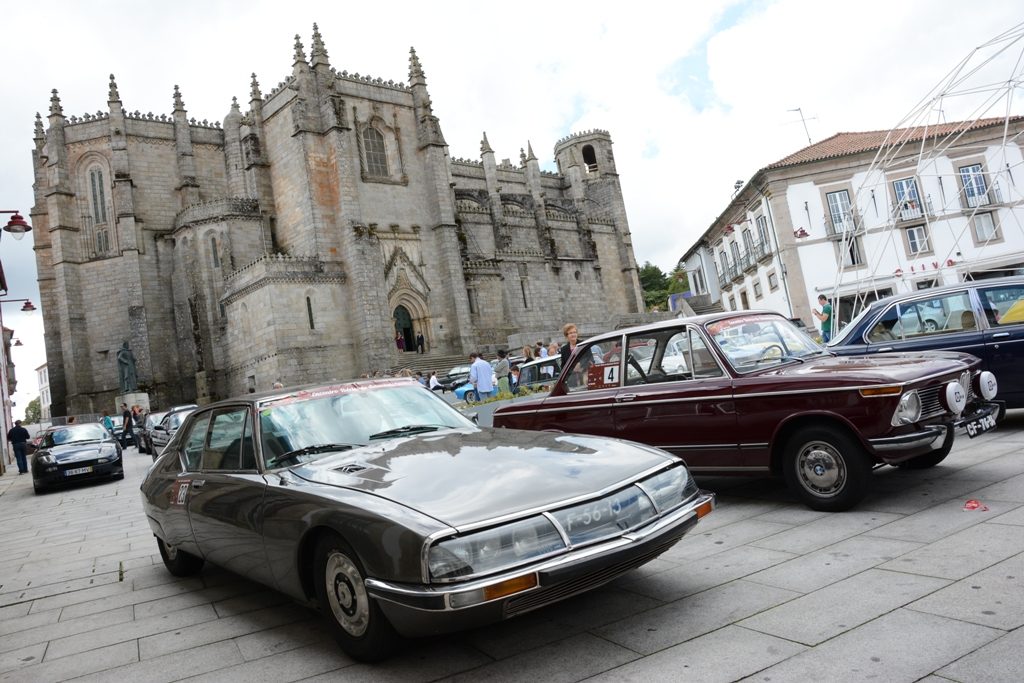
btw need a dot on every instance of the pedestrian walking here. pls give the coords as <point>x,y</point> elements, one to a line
<point>400,342</point>
<point>108,423</point>
<point>420,343</point>
<point>19,436</point>
<point>481,376</point>
<point>542,351</point>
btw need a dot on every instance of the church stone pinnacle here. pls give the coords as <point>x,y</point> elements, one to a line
<point>485,146</point>
<point>254,91</point>
<point>55,108</point>
<point>300,54</point>
<point>530,156</point>
<point>415,69</point>
<point>39,126</point>
<point>179,105</point>
<point>113,95</point>
<point>319,51</point>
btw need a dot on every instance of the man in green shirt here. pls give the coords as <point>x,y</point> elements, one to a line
<point>825,316</point>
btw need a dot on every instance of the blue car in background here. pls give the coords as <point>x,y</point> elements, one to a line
<point>984,318</point>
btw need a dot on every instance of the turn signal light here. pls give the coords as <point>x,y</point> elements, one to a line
<point>881,391</point>
<point>519,583</point>
<point>704,508</point>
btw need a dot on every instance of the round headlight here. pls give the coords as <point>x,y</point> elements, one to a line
<point>988,387</point>
<point>955,397</point>
<point>908,410</point>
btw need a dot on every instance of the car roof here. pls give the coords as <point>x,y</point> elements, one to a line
<point>310,389</point>
<point>675,322</point>
<point>932,291</point>
<point>539,361</point>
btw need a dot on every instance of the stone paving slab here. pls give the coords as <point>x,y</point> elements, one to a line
<point>763,588</point>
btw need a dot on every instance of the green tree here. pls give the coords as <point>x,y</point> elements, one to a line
<point>652,279</point>
<point>657,285</point>
<point>33,412</point>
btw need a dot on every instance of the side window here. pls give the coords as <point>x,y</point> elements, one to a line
<point>1003,305</point>
<point>938,315</point>
<point>195,441</point>
<point>703,362</point>
<point>225,447</point>
<point>888,327</point>
<point>593,368</point>
<point>658,356</point>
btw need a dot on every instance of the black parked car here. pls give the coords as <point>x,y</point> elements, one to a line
<point>73,453</point>
<point>455,378</point>
<point>396,514</point>
<point>984,318</point>
<point>163,431</point>
<point>145,432</point>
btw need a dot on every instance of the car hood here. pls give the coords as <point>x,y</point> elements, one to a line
<point>73,452</point>
<point>463,477</point>
<point>888,368</point>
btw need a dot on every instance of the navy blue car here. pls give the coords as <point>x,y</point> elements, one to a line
<point>984,318</point>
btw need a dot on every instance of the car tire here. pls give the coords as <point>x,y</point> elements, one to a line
<point>37,489</point>
<point>826,468</point>
<point>177,561</point>
<point>357,622</point>
<point>923,462</point>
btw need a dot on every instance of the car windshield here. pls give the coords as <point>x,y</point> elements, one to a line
<point>154,419</point>
<point>849,328</point>
<point>753,342</point>
<point>74,434</point>
<point>312,424</point>
<point>175,420</point>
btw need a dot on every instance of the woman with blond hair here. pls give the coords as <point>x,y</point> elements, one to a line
<point>528,353</point>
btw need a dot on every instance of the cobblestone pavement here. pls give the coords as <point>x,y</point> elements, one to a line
<point>909,586</point>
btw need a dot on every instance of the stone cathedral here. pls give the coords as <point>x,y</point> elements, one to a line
<point>296,240</point>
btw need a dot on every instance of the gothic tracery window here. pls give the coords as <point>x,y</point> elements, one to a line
<point>376,153</point>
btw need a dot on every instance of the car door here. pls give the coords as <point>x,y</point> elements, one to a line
<point>586,394</point>
<point>676,396</point>
<point>226,500</point>
<point>177,527</point>
<point>946,322</point>
<point>1003,306</point>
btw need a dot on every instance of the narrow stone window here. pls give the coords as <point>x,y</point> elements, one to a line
<point>589,158</point>
<point>376,153</point>
<point>214,255</point>
<point>99,199</point>
<point>522,286</point>
<point>309,313</point>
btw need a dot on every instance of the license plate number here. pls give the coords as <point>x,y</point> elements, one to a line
<point>77,470</point>
<point>980,426</point>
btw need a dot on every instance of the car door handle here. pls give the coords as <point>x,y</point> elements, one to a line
<point>883,349</point>
<point>1000,335</point>
<point>198,483</point>
<point>625,397</point>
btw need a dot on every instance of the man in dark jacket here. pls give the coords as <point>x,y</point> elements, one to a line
<point>19,436</point>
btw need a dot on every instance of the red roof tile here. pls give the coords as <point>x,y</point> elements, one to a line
<point>843,144</point>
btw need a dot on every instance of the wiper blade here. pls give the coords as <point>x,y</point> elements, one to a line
<point>310,450</point>
<point>408,429</point>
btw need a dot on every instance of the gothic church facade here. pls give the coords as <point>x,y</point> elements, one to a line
<point>295,240</point>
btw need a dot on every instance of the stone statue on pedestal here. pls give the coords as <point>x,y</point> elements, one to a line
<point>126,375</point>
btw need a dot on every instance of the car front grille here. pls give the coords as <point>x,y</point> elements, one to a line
<point>931,403</point>
<point>546,596</point>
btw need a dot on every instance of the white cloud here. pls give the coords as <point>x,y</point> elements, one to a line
<point>685,129</point>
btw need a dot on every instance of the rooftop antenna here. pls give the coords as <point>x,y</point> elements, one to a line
<point>803,121</point>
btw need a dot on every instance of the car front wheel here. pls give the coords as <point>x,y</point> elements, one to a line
<point>357,622</point>
<point>178,562</point>
<point>826,468</point>
<point>923,462</point>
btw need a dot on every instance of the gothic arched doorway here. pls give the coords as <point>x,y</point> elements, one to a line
<point>403,328</point>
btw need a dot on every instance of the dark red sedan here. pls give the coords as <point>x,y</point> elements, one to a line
<point>748,393</point>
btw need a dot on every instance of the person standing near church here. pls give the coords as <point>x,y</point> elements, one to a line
<point>481,376</point>
<point>127,428</point>
<point>19,436</point>
<point>501,370</point>
<point>420,343</point>
<point>825,316</point>
<point>572,337</point>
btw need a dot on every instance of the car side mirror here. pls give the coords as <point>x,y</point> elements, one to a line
<point>160,428</point>
<point>475,417</point>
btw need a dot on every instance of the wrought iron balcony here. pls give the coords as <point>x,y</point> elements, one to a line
<point>838,225</point>
<point>991,196</point>
<point>912,209</point>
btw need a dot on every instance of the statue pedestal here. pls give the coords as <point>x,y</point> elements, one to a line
<point>133,398</point>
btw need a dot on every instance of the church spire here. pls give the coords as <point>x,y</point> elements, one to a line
<point>39,127</point>
<point>530,156</point>
<point>178,104</point>
<point>416,75</point>
<point>485,146</point>
<point>300,54</point>
<point>319,52</point>
<point>55,108</point>
<point>254,89</point>
<point>113,95</point>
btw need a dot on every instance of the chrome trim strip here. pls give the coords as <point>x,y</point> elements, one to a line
<point>924,437</point>
<point>392,592</point>
<point>698,447</point>
<point>727,469</point>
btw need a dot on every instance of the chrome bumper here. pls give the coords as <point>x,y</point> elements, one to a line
<point>416,610</point>
<point>909,442</point>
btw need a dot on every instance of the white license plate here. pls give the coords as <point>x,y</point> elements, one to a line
<point>980,426</point>
<point>77,470</point>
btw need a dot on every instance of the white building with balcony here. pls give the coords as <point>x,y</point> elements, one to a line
<point>859,216</point>
<point>43,378</point>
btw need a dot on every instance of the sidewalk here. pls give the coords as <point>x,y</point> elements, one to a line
<point>906,586</point>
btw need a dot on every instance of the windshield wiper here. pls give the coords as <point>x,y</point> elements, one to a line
<point>310,450</point>
<point>408,429</point>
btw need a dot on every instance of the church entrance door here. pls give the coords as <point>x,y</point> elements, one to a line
<point>403,328</point>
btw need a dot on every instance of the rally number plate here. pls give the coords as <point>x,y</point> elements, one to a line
<point>980,426</point>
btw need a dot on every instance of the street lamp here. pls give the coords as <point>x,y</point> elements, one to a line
<point>17,226</point>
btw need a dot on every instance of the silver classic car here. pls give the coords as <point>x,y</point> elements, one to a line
<point>396,515</point>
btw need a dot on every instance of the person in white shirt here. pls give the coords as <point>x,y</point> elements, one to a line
<point>542,351</point>
<point>481,376</point>
<point>435,383</point>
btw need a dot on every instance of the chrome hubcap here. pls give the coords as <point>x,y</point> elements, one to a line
<point>346,594</point>
<point>821,468</point>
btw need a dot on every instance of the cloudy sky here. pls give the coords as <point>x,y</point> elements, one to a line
<point>695,95</point>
